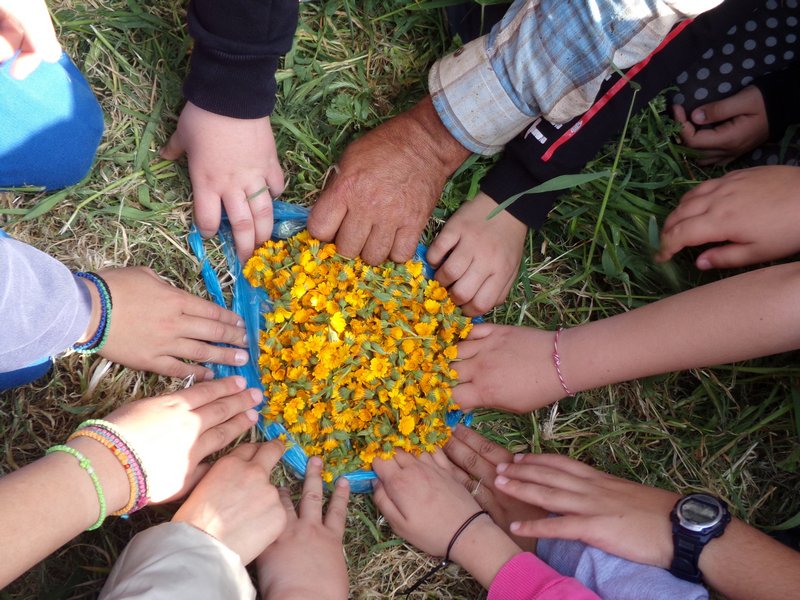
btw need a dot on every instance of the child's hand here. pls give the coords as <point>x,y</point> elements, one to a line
<point>422,500</point>
<point>506,367</point>
<point>478,260</point>
<point>235,502</point>
<point>425,504</point>
<point>25,27</point>
<point>174,432</point>
<point>621,517</point>
<point>154,324</point>
<point>479,457</point>
<point>307,560</point>
<point>232,162</point>
<point>756,210</point>
<point>739,125</point>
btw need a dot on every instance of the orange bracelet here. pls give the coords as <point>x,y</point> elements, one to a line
<point>123,460</point>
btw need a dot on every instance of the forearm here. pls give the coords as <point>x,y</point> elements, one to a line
<point>745,564</point>
<point>738,318</point>
<point>49,502</point>
<point>483,549</point>
<point>45,309</point>
<point>531,66</point>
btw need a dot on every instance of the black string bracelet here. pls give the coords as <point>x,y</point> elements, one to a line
<point>446,561</point>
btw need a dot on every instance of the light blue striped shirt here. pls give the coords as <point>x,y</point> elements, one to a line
<point>546,58</point>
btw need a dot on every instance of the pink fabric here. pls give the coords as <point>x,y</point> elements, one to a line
<point>526,577</point>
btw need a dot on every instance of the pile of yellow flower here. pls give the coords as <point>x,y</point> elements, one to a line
<point>355,359</point>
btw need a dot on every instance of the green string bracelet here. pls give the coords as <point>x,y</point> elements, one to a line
<point>86,465</point>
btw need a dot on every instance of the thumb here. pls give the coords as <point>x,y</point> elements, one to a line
<point>728,257</point>
<point>722,110</point>
<point>326,216</point>
<point>173,149</point>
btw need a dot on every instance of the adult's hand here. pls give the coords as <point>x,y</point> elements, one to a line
<point>310,544</point>
<point>725,129</point>
<point>236,503</point>
<point>25,27</point>
<point>506,367</point>
<point>753,210</point>
<point>388,182</point>
<point>232,162</point>
<point>154,325</point>
<point>477,459</point>
<point>475,259</point>
<point>174,432</point>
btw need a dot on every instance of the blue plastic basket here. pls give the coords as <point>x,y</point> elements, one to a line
<point>251,304</point>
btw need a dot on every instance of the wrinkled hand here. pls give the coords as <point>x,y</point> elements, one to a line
<point>235,502</point>
<point>307,560</point>
<point>506,367</point>
<point>754,210</point>
<point>738,124</point>
<point>621,517</point>
<point>387,184</point>
<point>154,324</point>
<point>232,162</point>
<point>25,27</point>
<point>477,459</point>
<point>174,432</point>
<point>478,260</point>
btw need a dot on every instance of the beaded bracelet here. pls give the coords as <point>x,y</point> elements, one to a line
<point>139,497</point>
<point>100,336</point>
<point>123,459</point>
<point>86,465</point>
<point>557,363</point>
<point>110,431</point>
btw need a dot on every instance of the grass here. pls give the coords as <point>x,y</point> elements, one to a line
<point>732,430</point>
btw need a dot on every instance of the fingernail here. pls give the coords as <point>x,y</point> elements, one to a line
<point>342,482</point>
<point>501,480</point>
<point>699,116</point>
<point>315,461</point>
<point>240,357</point>
<point>502,467</point>
<point>240,323</point>
<point>518,457</point>
<point>703,264</point>
<point>240,382</point>
<point>515,525</point>
<point>255,395</point>
<point>252,414</point>
<point>208,376</point>
<point>245,340</point>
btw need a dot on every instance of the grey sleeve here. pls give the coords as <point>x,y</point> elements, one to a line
<point>610,576</point>
<point>44,308</point>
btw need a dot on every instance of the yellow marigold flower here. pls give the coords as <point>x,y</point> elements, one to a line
<point>414,268</point>
<point>338,322</point>
<point>406,425</point>
<point>432,306</point>
<point>450,352</point>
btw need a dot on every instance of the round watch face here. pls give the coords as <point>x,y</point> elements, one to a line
<point>698,512</point>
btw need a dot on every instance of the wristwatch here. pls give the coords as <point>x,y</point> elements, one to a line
<point>696,520</point>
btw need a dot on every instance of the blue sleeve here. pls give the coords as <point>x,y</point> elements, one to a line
<point>610,576</point>
<point>44,308</point>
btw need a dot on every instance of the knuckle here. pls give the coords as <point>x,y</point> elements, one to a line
<point>315,497</point>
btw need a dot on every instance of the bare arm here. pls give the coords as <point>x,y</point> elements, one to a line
<point>742,317</point>
<point>738,318</point>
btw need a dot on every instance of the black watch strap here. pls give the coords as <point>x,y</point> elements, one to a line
<point>686,557</point>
